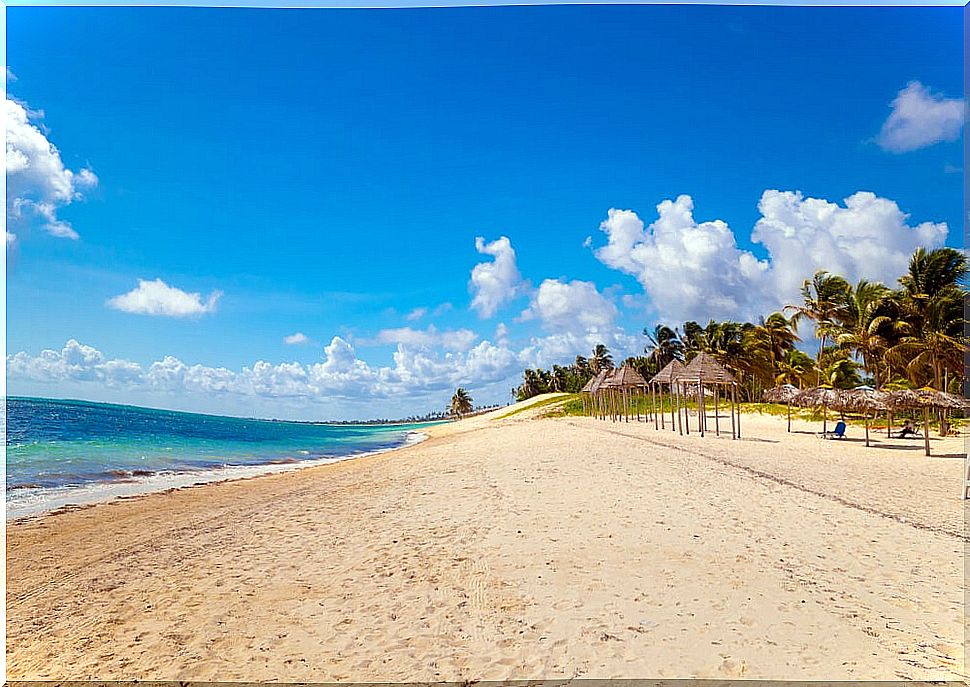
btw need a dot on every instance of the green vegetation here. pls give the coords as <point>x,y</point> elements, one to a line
<point>461,403</point>
<point>868,333</point>
<point>553,401</point>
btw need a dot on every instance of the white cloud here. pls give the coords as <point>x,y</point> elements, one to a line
<point>690,270</point>
<point>451,339</point>
<point>920,118</point>
<point>494,283</point>
<point>416,314</point>
<point>296,339</point>
<point>867,238</point>
<point>38,182</point>
<point>576,317</point>
<point>417,373</point>
<point>695,270</point>
<point>570,306</point>
<point>502,334</point>
<point>158,298</point>
<point>74,362</point>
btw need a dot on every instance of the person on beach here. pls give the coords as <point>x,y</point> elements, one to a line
<point>909,429</point>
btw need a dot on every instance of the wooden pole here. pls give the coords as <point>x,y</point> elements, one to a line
<point>701,415</point>
<point>717,420</point>
<point>653,393</point>
<point>680,425</point>
<point>867,428</point>
<point>789,416</point>
<point>926,429</point>
<point>730,393</point>
<point>673,395</point>
<point>889,425</point>
<point>738,405</point>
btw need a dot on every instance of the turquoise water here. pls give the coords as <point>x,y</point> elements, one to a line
<point>63,450</point>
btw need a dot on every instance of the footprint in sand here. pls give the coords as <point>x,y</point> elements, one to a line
<point>733,668</point>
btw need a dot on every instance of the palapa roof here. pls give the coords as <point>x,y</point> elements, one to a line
<point>821,396</point>
<point>625,377</point>
<point>705,369</point>
<point>597,382</point>
<point>925,398</point>
<point>781,394</point>
<point>865,398</point>
<point>669,373</point>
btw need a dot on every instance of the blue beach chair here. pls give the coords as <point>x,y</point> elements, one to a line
<point>837,433</point>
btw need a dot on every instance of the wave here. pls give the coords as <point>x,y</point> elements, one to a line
<point>31,499</point>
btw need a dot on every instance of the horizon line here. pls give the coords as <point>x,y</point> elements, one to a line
<point>443,4</point>
<point>248,418</point>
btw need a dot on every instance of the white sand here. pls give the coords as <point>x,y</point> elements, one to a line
<point>515,548</point>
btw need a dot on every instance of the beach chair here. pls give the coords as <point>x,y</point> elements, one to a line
<point>837,433</point>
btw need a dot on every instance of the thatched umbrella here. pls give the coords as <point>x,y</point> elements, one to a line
<point>595,384</point>
<point>782,394</point>
<point>867,400</point>
<point>821,396</point>
<point>668,376</point>
<point>625,381</point>
<point>925,398</point>
<point>704,369</point>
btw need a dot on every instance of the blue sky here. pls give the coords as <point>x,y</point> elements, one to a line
<point>327,172</point>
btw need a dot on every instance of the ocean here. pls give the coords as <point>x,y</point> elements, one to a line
<point>73,452</point>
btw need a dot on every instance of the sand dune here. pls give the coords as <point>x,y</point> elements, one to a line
<point>515,547</point>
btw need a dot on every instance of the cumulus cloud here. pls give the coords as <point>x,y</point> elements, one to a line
<point>920,118</point>
<point>416,314</point>
<point>867,238</point>
<point>74,362</point>
<point>575,317</point>
<point>696,270</point>
<point>689,269</point>
<point>296,339</point>
<point>417,372</point>
<point>158,298</point>
<point>502,334</point>
<point>451,339</point>
<point>572,306</point>
<point>497,282</point>
<point>38,182</point>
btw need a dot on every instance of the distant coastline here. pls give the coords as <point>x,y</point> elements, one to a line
<point>427,418</point>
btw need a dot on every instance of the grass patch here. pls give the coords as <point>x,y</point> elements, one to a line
<point>538,404</point>
<point>571,405</point>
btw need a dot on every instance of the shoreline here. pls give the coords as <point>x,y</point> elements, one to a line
<point>64,499</point>
<point>514,548</point>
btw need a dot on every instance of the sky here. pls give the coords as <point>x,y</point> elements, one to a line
<point>332,214</point>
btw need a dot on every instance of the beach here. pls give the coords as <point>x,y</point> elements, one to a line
<point>516,546</point>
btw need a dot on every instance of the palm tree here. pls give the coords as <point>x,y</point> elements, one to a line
<point>581,366</point>
<point>558,379</point>
<point>795,368</point>
<point>933,296</point>
<point>932,272</point>
<point>865,325</point>
<point>774,336</point>
<point>692,339</point>
<point>842,373</point>
<point>825,296</point>
<point>663,345</point>
<point>461,403</point>
<point>645,366</point>
<point>601,359</point>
